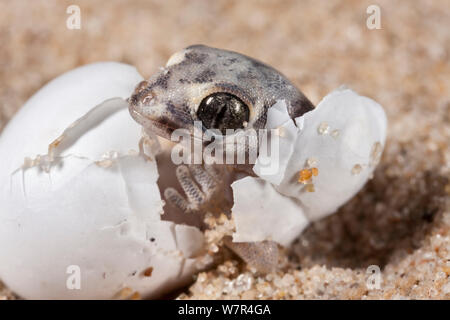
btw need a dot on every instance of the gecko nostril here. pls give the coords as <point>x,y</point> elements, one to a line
<point>147,97</point>
<point>141,86</point>
<point>142,94</point>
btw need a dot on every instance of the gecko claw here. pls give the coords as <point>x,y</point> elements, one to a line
<point>200,185</point>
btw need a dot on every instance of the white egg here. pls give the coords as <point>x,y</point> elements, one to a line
<point>81,211</point>
<point>261,213</point>
<point>343,138</point>
<point>83,218</point>
<point>321,162</point>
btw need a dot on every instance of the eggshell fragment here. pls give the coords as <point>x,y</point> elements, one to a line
<point>322,162</point>
<point>88,201</point>
<point>342,139</point>
<point>272,167</point>
<point>257,220</point>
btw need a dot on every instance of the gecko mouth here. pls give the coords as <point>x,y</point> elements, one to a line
<point>160,124</point>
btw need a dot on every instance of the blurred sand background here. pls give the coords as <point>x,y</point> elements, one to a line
<point>400,221</point>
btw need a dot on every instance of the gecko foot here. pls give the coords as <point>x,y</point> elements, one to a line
<point>200,184</point>
<point>149,146</point>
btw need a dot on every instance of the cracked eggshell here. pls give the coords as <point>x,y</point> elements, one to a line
<point>338,144</point>
<point>272,217</point>
<point>91,202</point>
<point>343,138</point>
<point>271,166</point>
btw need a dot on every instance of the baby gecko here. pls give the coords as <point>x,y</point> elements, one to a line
<point>223,90</point>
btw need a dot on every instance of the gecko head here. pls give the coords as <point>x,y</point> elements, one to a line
<point>162,113</point>
<point>198,84</point>
<point>221,89</point>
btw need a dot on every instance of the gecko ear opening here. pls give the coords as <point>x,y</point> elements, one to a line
<point>223,111</point>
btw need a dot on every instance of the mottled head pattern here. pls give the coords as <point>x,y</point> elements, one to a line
<point>238,89</point>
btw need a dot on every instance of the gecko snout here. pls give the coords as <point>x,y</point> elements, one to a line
<point>154,116</point>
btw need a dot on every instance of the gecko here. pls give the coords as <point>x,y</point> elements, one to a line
<point>223,90</point>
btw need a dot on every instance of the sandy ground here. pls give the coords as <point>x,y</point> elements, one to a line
<point>399,222</point>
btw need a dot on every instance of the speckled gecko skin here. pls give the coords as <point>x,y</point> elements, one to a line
<point>171,98</point>
<point>223,90</point>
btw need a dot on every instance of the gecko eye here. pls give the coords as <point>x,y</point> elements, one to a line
<point>223,111</point>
